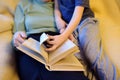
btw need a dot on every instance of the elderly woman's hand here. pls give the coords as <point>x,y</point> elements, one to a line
<point>19,38</point>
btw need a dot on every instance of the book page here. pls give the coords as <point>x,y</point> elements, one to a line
<point>69,63</point>
<point>43,38</point>
<point>67,48</point>
<point>35,46</point>
<point>32,54</point>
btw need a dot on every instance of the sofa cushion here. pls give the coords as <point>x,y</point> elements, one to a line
<point>6,19</point>
<point>7,64</point>
<point>108,13</point>
<point>6,23</point>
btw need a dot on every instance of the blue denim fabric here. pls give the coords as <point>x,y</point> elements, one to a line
<point>90,45</point>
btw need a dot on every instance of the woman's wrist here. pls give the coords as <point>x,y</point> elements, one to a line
<point>61,29</point>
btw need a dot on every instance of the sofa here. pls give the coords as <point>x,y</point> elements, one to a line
<point>7,64</point>
<point>107,12</point>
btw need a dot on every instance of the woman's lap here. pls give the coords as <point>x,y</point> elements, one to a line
<point>30,69</point>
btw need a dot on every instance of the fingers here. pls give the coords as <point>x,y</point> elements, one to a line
<point>55,41</point>
<point>51,43</point>
<point>50,40</point>
<point>52,48</point>
<point>19,38</point>
<point>16,43</point>
<point>50,37</point>
<point>71,37</point>
<point>23,34</point>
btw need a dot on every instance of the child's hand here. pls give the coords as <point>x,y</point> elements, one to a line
<point>55,41</point>
<point>71,37</point>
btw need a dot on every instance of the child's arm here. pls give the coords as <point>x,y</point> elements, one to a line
<point>61,24</point>
<point>57,40</point>
<point>74,21</point>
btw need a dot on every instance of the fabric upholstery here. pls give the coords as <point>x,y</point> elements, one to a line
<point>108,13</point>
<point>7,64</point>
<point>6,23</point>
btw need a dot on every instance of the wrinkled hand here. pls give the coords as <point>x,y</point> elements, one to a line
<point>61,23</point>
<point>19,38</point>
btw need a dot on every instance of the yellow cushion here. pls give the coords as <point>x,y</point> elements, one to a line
<point>6,23</point>
<point>108,13</point>
<point>6,19</point>
<point>7,8</point>
<point>7,65</point>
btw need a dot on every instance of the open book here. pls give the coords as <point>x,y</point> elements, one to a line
<point>62,59</point>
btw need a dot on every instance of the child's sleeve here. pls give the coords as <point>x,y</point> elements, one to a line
<point>84,3</point>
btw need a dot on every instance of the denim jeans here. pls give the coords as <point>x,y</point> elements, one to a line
<point>92,52</point>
